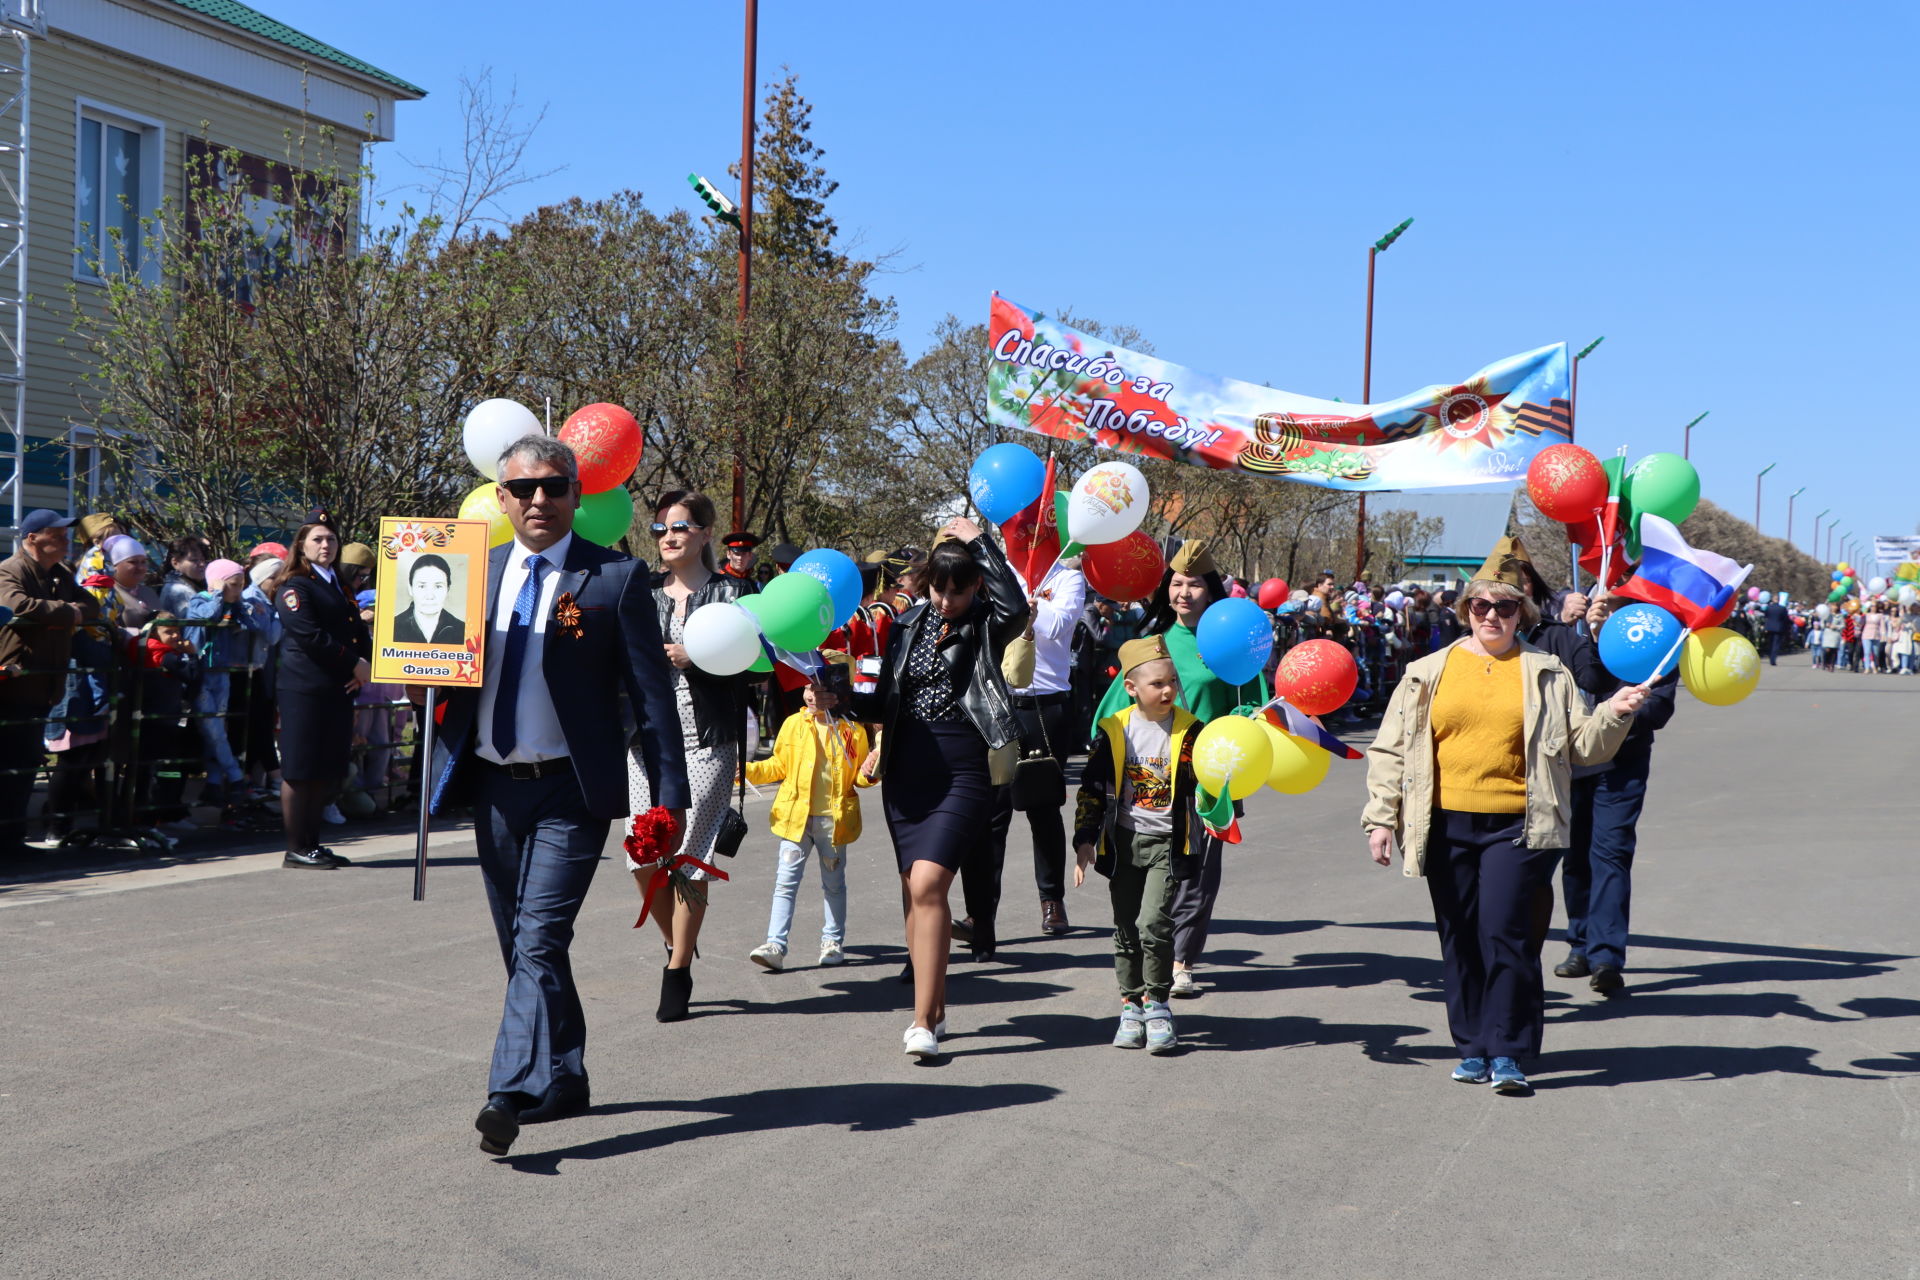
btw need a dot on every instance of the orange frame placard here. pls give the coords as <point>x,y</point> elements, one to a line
<point>430,602</point>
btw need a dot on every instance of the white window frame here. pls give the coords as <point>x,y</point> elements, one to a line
<point>153,160</point>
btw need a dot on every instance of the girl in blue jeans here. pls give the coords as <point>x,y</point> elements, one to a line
<point>818,761</point>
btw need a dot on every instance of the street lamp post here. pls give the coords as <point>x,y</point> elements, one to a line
<point>1790,497</point>
<point>1686,437</point>
<point>1756,493</point>
<point>1816,532</point>
<point>1374,250</point>
<point>1573,392</point>
<point>746,263</point>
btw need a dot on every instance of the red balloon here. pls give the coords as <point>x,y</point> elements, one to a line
<point>1129,569</point>
<point>1317,677</point>
<point>1567,483</point>
<point>607,441</point>
<point>1273,593</point>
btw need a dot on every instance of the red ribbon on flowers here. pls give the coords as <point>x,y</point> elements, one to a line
<point>647,842</point>
<point>664,872</point>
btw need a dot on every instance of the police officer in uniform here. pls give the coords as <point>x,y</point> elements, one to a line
<point>324,651</point>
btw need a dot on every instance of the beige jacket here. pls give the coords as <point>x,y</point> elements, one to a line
<point>1560,730</point>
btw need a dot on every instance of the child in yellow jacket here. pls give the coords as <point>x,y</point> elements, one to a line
<point>817,761</point>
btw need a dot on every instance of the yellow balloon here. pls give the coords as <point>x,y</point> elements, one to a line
<point>484,504</point>
<point>1719,667</point>
<point>1231,755</point>
<point>1298,765</point>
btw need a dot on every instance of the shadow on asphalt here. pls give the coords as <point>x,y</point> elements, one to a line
<point>861,1108</point>
<point>1647,1064</point>
<point>1379,1041</point>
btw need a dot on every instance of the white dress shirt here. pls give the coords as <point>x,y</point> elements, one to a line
<point>1056,610</point>
<point>536,724</point>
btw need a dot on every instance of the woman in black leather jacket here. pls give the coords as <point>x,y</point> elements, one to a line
<point>712,712</point>
<point>944,712</point>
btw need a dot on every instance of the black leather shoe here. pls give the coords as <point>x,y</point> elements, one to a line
<point>573,1098</point>
<point>333,857</point>
<point>961,930</point>
<point>1053,916</point>
<point>1574,966</point>
<point>311,860</point>
<point>906,974</point>
<point>498,1123</point>
<point>1607,980</point>
<point>676,990</point>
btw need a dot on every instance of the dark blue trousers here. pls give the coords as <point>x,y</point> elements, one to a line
<point>1773,647</point>
<point>1488,895</point>
<point>539,848</point>
<point>1597,877</point>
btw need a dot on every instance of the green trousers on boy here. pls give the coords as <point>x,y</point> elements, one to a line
<point>1142,892</point>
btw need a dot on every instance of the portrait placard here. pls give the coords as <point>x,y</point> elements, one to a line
<point>430,602</point>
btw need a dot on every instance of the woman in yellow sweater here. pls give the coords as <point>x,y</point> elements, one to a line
<point>818,760</point>
<point>1472,773</point>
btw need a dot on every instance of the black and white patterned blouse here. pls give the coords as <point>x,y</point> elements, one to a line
<point>932,696</point>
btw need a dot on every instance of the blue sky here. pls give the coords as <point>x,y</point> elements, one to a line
<point>1725,191</point>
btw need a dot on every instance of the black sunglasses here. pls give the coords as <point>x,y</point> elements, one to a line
<point>1481,608</point>
<point>524,487</point>
<point>678,526</point>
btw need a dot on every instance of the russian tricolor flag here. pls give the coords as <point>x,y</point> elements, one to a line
<point>1697,587</point>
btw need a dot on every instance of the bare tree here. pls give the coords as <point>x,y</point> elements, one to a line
<point>464,194</point>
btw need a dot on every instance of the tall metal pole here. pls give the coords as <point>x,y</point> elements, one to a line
<point>1790,497</point>
<point>746,266</point>
<point>1816,531</point>
<point>1366,397</point>
<point>1686,438</point>
<point>1756,493</point>
<point>1573,392</point>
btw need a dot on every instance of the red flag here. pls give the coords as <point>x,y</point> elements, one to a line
<point>1033,535</point>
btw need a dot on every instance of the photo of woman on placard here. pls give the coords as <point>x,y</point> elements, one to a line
<point>426,620</point>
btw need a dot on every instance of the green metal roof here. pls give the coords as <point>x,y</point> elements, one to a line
<point>252,21</point>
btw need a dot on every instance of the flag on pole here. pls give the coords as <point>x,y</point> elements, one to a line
<point>1287,718</point>
<point>1217,815</point>
<point>1698,587</point>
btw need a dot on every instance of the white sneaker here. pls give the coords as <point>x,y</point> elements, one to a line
<point>922,1043</point>
<point>768,956</point>
<point>332,816</point>
<point>830,953</point>
<point>1184,985</point>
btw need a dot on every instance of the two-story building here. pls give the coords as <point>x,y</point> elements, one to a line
<point>102,102</point>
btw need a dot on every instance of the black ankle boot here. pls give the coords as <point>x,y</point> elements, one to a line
<point>676,989</point>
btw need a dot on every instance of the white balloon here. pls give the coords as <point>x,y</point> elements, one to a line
<point>1108,502</point>
<point>490,427</point>
<point>1910,595</point>
<point>1823,611</point>
<point>721,638</point>
<point>1876,584</point>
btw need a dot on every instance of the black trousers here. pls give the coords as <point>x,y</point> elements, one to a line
<point>1047,720</point>
<point>22,746</point>
<point>1492,898</point>
<point>980,871</point>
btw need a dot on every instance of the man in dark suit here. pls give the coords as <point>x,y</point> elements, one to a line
<point>1778,625</point>
<point>571,626</point>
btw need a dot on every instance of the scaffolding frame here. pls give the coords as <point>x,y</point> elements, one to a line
<point>20,22</point>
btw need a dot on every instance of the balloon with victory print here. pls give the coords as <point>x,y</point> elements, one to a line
<point>1005,480</point>
<point>1719,667</point>
<point>484,504</point>
<point>1126,570</point>
<point>490,427</point>
<point>1663,484</point>
<point>837,572</point>
<point>721,638</point>
<point>1317,677</point>
<point>607,441</point>
<point>1637,643</point>
<point>1231,756</point>
<point>1107,503</point>
<point>1566,482</point>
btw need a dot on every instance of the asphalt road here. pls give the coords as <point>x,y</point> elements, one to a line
<point>221,1069</point>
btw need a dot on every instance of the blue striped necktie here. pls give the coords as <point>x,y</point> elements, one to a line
<point>508,694</point>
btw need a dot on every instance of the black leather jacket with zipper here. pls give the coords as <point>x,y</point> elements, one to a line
<point>972,652</point>
<point>719,702</point>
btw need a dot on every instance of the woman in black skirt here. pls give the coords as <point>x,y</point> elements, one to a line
<point>323,652</point>
<point>943,708</point>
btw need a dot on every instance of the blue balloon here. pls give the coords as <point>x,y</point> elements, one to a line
<point>839,574</point>
<point>1635,641</point>
<point>1006,479</point>
<point>1234,638</point>
<point>1837,575</point>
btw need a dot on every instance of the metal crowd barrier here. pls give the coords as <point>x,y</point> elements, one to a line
<point>116,790</point>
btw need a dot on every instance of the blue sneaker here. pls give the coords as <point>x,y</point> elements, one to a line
<point>1133,1027</point>
<point>1471,1071</point>
<point>1160,1037</point>
<point>1507,1078</point>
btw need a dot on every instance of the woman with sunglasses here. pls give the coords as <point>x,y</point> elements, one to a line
<point>712,717</point>
<point>1471,773</point>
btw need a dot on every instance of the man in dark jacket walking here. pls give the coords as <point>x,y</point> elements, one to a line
<point>1778,624</point>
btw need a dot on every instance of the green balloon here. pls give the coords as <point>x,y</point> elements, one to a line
<point>796,611</point>
<point>762,664</point>
<point>606,517</point>
<point>1665,485</point>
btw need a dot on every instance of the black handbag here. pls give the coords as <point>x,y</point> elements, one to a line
<point>1038,780</point>
<point>732,830</point>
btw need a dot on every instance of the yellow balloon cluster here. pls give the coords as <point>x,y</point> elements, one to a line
<point>484,504</point>
<point>1232,755</point>
<point>1719,667</point>
<point>1298,765</point>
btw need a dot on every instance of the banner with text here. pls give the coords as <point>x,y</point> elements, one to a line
<point>1901,551</point>
<point>1057,381</point>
